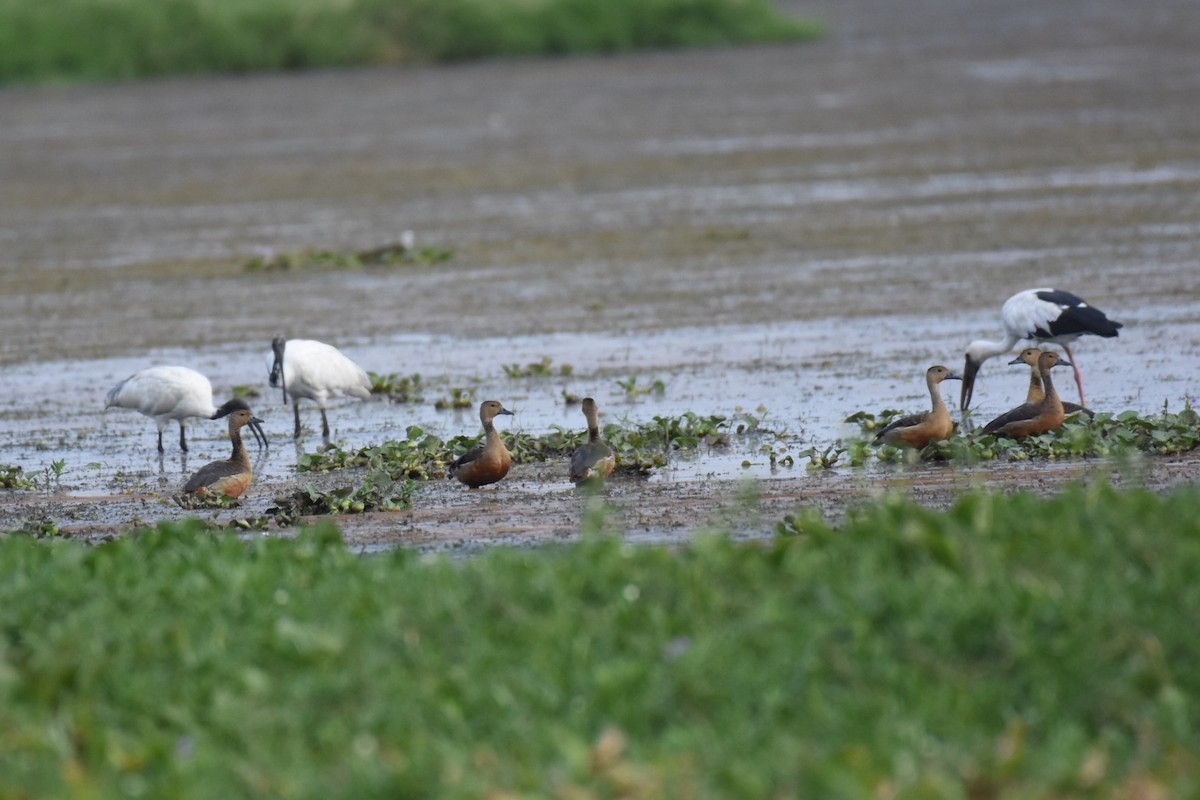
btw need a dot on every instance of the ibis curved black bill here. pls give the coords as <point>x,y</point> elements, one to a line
<point>255,426</point>
<point>970,370</point>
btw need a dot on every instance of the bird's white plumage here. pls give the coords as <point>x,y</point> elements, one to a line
<point>1046,315</point>
<point>318,371</point>
<point>1027,316</point>
<point>165,394</point>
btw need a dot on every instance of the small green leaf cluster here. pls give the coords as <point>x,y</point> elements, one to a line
<point>633,389</point>
<point>537,369</point>
<point>376,492</point>
<point>315,259</point>
<point>13,477</point>
<point>419,455</point>
<point>397,388</point>
<point>459,398</point>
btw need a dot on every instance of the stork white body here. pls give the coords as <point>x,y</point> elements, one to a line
<point>165,394</point>
<point>316,371</point>
<point>1043,315</point>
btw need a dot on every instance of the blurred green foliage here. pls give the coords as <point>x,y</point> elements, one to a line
<point>1013,646</point>
<point>124,39</point>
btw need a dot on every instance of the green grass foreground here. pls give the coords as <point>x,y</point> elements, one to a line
<point>1013,646</point>
<point>122,39</point>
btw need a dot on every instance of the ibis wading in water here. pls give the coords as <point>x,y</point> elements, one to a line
<point>1036,393</point>
<point>165,394</point>
<point>315,370</point>
<point>1044,315</point>
<point>488,461</point>
<point>232,477</point>
<point>593,461</point>
<point>1028,419</point>
<point>919,430</point>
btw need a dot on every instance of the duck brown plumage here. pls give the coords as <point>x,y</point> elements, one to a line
<point>231,477</point>
<point>595,460</point>
<point>1029,419</point>
<point>918,430</point>
<point>488,461</point>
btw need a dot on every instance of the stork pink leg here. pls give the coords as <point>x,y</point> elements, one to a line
<point>1078,374</point>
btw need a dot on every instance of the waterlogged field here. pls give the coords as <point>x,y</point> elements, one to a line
<point>1010,646</point>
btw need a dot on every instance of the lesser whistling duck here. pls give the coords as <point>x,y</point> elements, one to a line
<point>231,477</point>
<point>1033,418</point>
<point>1045,315</point>
<point>1036,394</point>
<point>594,460</point>
<point>918,430</point>
<point>315,370</point>
<point>165,394</point>
<point>488,461</point>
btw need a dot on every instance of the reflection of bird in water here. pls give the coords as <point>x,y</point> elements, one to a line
<point>595,459</point>
<point>165,394</point>
<point>488,461</point>
<point>231,477</point>
<point>317,371</point>
<point>1046,315</point>
<point>918,430</point>
<point>1028,419</point>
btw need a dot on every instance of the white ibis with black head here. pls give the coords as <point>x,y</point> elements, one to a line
<point>318,371</point>
<point>1044,315</point>
<point>165,394</point>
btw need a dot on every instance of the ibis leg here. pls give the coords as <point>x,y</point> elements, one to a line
<point>1078,374</point>
<point>160,447</point>
<point>182,437</point>
<point>324,425</point>
<point>296,411</point>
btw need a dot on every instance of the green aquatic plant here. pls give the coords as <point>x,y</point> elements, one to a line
<point>13,477</point>
<point>537,369</point>
<point>632,389</point>
<point>420,455</point>
<point>397,388</point>
<point>316,259</point>
<point>377,491</point>
<point>1078,437</point>
<point>459,398</point>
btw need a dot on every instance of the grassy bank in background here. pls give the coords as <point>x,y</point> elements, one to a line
<point>122,39</point>
<point>1012,646</point>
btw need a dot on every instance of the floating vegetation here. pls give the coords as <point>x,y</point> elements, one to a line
<point>632,389</point>
<point>459,398</point>
<point>378,491</point>
<point>538,369</point>
<point>390,255</point>
<point>191,502</point>
<point>1079,437</point>
<point>13,477</point>
<point>422,456</point>
<point>397,388</point>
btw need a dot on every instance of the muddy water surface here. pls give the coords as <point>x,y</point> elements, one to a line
<point>793,233</point>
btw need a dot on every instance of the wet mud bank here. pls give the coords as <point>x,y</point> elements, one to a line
<point>793,233</point>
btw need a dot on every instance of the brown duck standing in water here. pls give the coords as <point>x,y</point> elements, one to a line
<point>918,430</point>
<point>488,461</point>
<point>1029,419</point>
<point>592,462</point>
<point>231,477</point>
<point>1036,394</point>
